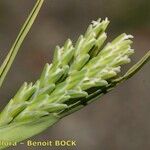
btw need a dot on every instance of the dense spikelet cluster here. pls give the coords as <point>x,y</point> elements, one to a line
<point>75,70</point>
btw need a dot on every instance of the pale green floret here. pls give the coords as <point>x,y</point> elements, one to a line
<point>81,67</point>
<point>74,70</point>
<point>78,75</point>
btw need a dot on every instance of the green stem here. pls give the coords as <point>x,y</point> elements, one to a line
<point>19,40</point>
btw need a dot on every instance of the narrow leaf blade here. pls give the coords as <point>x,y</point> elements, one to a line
<point>19,40</point>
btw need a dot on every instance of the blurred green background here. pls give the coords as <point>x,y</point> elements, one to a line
<point>120,121</point>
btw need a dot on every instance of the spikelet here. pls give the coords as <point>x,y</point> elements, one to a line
<point>73,71</point>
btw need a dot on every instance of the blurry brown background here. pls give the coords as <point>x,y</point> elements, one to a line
<point>120,121</point>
